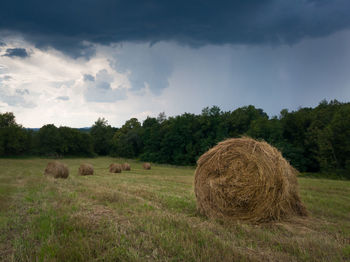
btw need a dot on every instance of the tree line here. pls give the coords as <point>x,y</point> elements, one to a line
<point>312,139</point>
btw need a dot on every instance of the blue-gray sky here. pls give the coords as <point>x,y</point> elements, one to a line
<point>70,62</point>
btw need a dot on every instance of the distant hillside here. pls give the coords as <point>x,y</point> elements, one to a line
<point>82,129</point>
<point>33,129</point>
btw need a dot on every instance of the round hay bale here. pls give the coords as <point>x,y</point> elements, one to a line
<point>86,169</point>
<point>244,179</point>
<point>146,166</point>
<point>126,167</point>
<point>56,169</point>
<point>115,168</point>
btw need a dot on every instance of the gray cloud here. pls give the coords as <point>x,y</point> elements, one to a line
<point>15,100</point>
<point>63,98</point>
<point>98,89</point>
<point>22,91</point>
<point>16,52</point>
<point>145,64</point>
<point>5,77</point>
<point>59,84</point>
<point>88,77</point>
<point>66,24</point>
<point>3,69</point>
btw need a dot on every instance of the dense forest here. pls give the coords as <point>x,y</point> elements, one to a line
<point>312,139</point>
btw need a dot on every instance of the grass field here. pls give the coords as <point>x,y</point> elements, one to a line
<point>150,215</point>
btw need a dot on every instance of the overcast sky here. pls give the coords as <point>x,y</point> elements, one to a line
<point>70,62</point>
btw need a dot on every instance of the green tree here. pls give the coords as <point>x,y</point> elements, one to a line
<point>269,130</point>
<point>334,143</point>
<point>151,137</point>
<point>74,142</point>
<point>7,120</point>
<point>127,140</point>
<point>50,140</point>
<point>294,147</point>
<point>13,137</point>
<point>102,135</point>
<point>239,121</point>
<point>179,144</point>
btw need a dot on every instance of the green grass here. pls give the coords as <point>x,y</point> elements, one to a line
<point>150,215</point>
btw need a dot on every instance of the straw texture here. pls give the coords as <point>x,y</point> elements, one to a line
<point>244,179</point>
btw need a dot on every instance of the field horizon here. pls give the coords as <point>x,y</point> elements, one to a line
<point>151,215</point>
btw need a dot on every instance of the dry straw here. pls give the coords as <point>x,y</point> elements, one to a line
<point>115,168</point>
<point>126,167</point>
<point>57,170</point>
<point>86,169</point>
<point>146,166</point>
<point>244,179</point>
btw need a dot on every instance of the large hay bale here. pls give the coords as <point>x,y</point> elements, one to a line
<point>146,166</point>
<point>115,168</point>
<point>56,169</point>
<point>86,169</point>
<point>126,167</point>
<point>244,179</point>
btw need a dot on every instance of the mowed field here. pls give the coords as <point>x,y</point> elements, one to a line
<point>150,215</point>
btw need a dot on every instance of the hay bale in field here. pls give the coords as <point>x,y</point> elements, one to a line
<point>86,169</point>
<point>126,167</point>
<point>146,166</point>
<point>115,168</point>
<point>244,179</point>
<point>56,169</point>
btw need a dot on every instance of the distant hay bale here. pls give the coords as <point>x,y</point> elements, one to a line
<point>126,167</point>
<point>244,179</point>
<point>146,166</point>
<point>115,168</point>
<point>56,169</point>
<point>86,169</point>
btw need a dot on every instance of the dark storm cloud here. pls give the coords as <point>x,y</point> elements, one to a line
<point>66,24</point>
<point>16,52</point>
<point>2,44</point>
